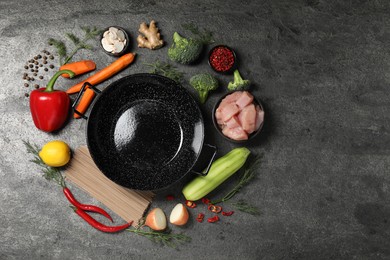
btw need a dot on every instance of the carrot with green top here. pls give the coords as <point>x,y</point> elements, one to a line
<point>105,73</point>
<point>78,67</point>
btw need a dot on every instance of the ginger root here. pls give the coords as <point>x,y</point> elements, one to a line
<point>151,38</point>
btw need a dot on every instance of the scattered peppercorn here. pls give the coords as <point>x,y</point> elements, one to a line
<point>26,95</point>
<point>35,74</point>
<point>32,79</point>
<point>51,66</point>
<point>31,65</point>
<point>48,53</point>
<point>32,70</point>
<point>40,77</point>
<point>36,57</point>
<point>36,63</point>
<point>45,57</point>
<point>26,85</point>
<point>39,56</point>
<point>40,65</point>
<point>26,67</point>
<point>36,86</point>
<point>44,62</point>
<point>51,57</point>
<point>37,67</point>
<point>46,69</point>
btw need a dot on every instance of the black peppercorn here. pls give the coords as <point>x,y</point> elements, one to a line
<point>35,74</point>
<point>46,69</point>
<point>36,86</point>
<point>44,62</point>
<point>31,65</point>
<point>26,95</point>
<point>32,79</point>
<point>48,53</point>
<point>32,70</point>
<point>40,65</point>
<point>26,85</point>
<point>39,56</point>
<point>26,67</point>
<point>36,57</point>
<point>40,77</point>
<point>51,66</point>
<point>51,57</point>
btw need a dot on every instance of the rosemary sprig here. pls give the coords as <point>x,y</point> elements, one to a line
<point>78,43</point>
<point>49,173</point>
<point>165,69</point>
<point>249,173</point>
<point>243,206</point>
<point>204,36</point>
<point>166,238</point>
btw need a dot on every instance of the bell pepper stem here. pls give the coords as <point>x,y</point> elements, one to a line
<point>50,85</point>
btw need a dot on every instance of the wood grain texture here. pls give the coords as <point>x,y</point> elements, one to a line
<point>128,204</point>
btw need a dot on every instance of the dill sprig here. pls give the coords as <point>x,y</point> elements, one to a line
<point>243,206</point>
<point>60,47</point>
<point>249,173</point>
<point>165,69</point>
<point>49,173</point>
<point>204,36</point>
<point>89,33</point>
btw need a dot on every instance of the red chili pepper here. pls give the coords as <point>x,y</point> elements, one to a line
<point>190,204</point>
<point>206,201</point>
<point>50,108</point>
<point>227,213</point>
<point>170,197</point>
<point>99,226</point>
<point>215,209</point>
<point>71,198</point>
<point>200,217</point>
<point>213,219</point>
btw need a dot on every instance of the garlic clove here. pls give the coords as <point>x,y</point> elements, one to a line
<point>105,34</point>
<point>106,45</point>
<point>113,30</point>
<point>121,36</point>
<point>118,46</point>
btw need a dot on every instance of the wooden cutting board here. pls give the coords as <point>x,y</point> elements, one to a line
<point>128,204</point>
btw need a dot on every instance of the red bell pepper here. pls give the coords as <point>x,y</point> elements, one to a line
<point>50,108</point>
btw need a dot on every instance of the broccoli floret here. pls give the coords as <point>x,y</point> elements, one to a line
<point>184,50</point>
<point>203,83</point>
<point>239,83</point>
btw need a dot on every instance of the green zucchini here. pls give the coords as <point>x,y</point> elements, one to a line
<point>219,171</point>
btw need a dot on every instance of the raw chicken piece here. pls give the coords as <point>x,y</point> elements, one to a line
<point>228,111</point>
<point>245,99</point>
<point>235,133</point>
<point>232,98</point>
<point>259,118</point>
<point>233,122</point>
<point>247,118</point>
<point>218,116</point>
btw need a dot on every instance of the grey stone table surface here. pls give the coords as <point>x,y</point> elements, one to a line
<point>322,69</point>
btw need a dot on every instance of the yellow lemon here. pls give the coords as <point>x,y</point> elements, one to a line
<point>55,153</point>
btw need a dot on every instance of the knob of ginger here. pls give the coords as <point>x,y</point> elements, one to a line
<point>150,37</point>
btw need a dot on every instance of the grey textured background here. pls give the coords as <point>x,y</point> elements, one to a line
<point>320,67</point>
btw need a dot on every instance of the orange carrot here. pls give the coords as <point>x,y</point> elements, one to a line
<point>105,73</point>
<point>84,102</point>
<point>78,67</point>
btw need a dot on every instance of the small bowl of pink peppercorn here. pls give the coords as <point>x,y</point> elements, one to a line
<point>222,59</point>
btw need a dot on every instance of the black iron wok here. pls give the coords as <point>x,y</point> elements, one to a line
<point>145,132</point>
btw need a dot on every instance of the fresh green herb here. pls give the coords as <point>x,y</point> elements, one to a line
<point>249,173</point>
<point>243,206</point>
<point>204,36</point>
<point>60,47</point>
<point>165,69</point>
<point>50,173</point>
<point>166,238</point>
<point>78,43</point>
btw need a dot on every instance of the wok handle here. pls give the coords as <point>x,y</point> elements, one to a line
<point>76,101</point>
<point>213,148</point>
